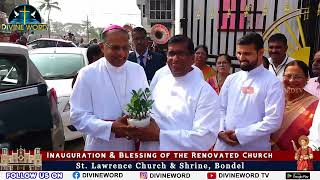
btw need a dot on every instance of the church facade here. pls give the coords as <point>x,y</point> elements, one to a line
<point>21,160</point>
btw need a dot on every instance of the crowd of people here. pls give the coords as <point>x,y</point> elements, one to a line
<point>24,38</point>
<point>18,38</point>
<point>195,107</point>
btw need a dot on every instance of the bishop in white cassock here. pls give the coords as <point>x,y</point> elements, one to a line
<point>185,106</point>
<point>252,101</point>
<point>102,91</point>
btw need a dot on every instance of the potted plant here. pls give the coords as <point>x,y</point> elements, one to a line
<point>139,108</point>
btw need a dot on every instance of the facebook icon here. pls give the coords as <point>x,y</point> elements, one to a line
<point>76,175</point>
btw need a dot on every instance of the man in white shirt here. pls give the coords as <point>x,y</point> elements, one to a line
<point>313,85</point>
<point>277,47</point>
<point>314,135</point>
<point>252,101</point>
<point>31,37</point>
<point>184,109</point>
<point>102,91</point>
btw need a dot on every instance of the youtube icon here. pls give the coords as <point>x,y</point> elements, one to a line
<point>211,175</point>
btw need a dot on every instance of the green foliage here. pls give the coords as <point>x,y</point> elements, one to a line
<point>316,148</point>
<point>48,5</point>
<point>140,104</point>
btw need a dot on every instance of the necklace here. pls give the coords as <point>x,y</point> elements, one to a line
<point>115,92</point>
<point>298,98</point>
<point>220,79</point>
<point>292,102</point>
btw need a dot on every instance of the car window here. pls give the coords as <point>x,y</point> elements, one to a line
<point>49,43</point>
<point>64,44</point>
<point>44,44</point>
<point>33,45</point>
<point>12,72</point>
<point>58,66</point>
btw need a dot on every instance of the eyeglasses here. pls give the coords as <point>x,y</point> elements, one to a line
<point>293,76</point>
<point>222,63</point>
<point>177,53</point>
<point>117,47</point>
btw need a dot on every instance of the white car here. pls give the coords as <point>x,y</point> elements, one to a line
<point>58,67</point>
<point>48,42</point>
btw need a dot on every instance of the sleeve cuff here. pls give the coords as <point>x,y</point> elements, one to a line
<point>241,139</point>
<point>103,131</point>
<point>108,131</point>
<point>165,141</point>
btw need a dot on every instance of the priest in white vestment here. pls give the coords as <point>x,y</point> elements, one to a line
<point>252,101</point>
<point>185,106</point>
<point>102,91</point>
<point>314,135</point>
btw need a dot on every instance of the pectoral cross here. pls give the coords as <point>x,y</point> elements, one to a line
<point>24,14</point>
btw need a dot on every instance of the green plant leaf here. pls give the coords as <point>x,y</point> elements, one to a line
<point>140,104</point>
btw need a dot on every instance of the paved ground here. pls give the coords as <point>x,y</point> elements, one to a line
<point>75,145</point>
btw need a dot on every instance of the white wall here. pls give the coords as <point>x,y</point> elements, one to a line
<point>178,16</point>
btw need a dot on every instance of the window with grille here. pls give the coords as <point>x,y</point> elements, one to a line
<point>143,10</point>
<point>161,9</point>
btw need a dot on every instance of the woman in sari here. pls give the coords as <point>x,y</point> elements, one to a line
<point>299,110</point>
<point>200,59</point>
<point>223,70</point>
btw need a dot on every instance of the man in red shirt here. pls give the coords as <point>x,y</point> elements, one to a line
<point>14,37</point>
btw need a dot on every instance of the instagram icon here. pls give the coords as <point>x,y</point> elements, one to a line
<point>143,175</point>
